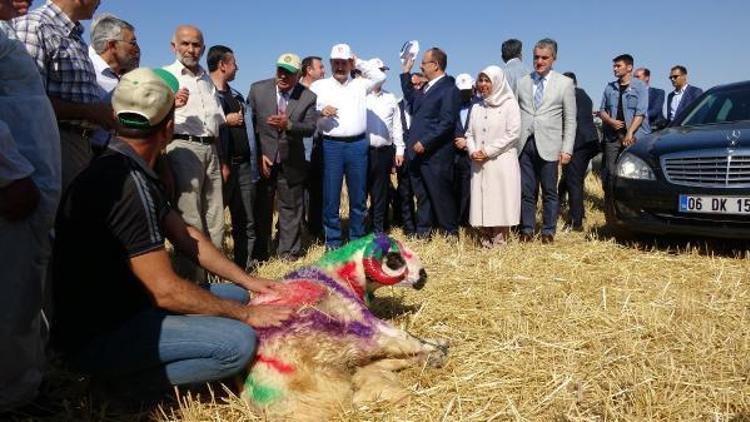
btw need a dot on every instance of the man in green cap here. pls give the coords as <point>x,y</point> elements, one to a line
<point>283,115</point>
<point>122,314</point>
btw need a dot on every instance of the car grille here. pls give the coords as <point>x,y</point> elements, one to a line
<point>712,168</point>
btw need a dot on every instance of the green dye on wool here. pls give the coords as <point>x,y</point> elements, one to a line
<point>344,254</point>
<point>261,394</point>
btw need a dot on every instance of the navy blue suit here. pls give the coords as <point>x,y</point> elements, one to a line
<point>433,122</point>
<point>691,93</point>
<point>462,170</point>
<point>655,108</point>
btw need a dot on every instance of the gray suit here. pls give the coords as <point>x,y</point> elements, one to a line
<point>515,70</point>
<point>286,150</point>
<point>545,132</point>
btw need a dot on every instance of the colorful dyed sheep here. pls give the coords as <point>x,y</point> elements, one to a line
<point>335,352</point>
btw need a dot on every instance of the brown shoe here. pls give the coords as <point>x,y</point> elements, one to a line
<point>547,239</point>
<point>525,238</point>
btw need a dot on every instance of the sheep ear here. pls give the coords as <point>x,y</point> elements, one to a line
<point>394,261</point>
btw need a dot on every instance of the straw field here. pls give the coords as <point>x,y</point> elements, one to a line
<point>591,328</point>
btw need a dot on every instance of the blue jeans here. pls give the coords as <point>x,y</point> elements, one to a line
<point>155,349</point>
<point>344,158</point>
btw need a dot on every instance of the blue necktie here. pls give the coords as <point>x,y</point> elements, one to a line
<point>539,92</point>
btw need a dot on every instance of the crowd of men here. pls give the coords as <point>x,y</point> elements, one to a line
<point>118,158</point>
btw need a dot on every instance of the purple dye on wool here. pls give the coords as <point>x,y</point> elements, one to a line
<point>314,320</point>
<point>383,243</point>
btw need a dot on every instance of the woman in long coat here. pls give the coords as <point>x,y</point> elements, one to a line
<point>494,128</point>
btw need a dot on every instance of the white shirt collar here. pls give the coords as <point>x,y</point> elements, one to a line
<point>100,66</point>
<point>432,83</point>
<point>681,91</point>
<point>183,70</point>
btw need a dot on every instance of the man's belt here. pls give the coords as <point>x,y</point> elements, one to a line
<point>84,132</point>
<point>344,138</point>
<point>204,140</point>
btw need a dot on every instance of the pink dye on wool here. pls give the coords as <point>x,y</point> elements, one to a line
<point>293,293</point>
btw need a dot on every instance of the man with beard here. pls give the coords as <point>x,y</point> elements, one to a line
<point>53,36</point>
<point>114,51</point>
<point>193,155</point>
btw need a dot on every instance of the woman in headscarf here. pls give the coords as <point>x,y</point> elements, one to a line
<point>491,138</point>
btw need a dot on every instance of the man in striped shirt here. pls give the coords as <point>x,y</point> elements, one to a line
<point>53,36</point>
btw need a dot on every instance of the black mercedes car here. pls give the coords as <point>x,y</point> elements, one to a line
<point>693,177</point>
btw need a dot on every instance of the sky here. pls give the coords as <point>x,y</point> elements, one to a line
<point>708,37</point>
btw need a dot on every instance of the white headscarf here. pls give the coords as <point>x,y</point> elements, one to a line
<point>501,91</point>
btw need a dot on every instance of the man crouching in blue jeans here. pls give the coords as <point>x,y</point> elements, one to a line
<point>121,313</point>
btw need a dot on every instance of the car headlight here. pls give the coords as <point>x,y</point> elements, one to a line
<point>631,167</point>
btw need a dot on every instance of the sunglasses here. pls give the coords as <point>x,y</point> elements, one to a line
<point>673,77</point>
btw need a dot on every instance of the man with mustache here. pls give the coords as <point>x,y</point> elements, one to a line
<point>193,153</point>
<point>114,51</point>
<point>53,36</point>
<point>342,103</point>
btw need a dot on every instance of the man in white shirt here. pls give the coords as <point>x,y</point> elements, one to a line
<point>193,155</point>
<point>343,105</point>
<point>113,51</point>
<point>385,135</point>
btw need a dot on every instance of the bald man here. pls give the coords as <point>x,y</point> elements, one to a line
<point>193,153</point>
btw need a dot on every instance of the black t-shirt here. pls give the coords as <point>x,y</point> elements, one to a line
<point>238,146</point>
<point>621,109</point>
<point>113,211</point>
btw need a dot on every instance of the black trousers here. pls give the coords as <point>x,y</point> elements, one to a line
<point>462,188</point>
<point>378,180</point>
<point>535,171</point>
<point>314,192</point>
<point>240,196</point>
<point>405,204</point>
<point>571,182</point>
<point>290,204</point>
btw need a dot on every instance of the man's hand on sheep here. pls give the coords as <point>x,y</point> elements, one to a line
<point>263,285</point>
<point>267,315</point>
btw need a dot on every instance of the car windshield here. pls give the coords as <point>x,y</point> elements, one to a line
<point>720,106</point>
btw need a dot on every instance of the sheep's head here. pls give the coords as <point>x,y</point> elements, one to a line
<point>374,261</point>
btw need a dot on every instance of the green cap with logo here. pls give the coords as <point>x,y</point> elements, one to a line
<point>289,62</point>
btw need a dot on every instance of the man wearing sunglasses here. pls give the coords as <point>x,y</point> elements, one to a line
<point>683,94</point>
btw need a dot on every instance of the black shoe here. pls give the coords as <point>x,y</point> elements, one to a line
<point>548,239</point>
<point>525,238</point>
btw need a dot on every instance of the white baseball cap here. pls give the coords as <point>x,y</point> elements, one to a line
<point>410,48</point>
<point>376,62</point>
<point>464,81</point>
<point>341,51</point>
<point>144,97</point>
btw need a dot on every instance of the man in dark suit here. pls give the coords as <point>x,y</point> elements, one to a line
<point>429,149</point>
<point>283,114</point>
<point>683,94</point>
<point>462,162</point>
<point>585,148</point>
<point>655,100</point>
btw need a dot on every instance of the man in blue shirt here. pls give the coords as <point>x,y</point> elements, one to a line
<point>624,112</point>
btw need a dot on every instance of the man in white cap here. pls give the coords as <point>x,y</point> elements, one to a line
<point>462,163</point>
<point>122,314</point>
<point>283,113</point>
<point>343,105</point>
<point>385,135</point>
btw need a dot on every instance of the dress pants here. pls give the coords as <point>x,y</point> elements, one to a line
<point>612,151</point>
<point>314,191</point>
<point>76,155</point>
<point>291,209</point>
<point>344,158</point>
<point>432,182</point>
<point>573,175</point>
<point>240,195</point>
<point>535,171</point>
<point>198,186</point>
<point>378,182</point>
<point>463,187</point>
<point>405,204</point>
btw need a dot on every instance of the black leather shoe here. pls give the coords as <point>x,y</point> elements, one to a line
<point>547,239</point>
<point>525,238</point>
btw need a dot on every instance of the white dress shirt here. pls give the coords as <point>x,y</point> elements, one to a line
<point>202,115</point>
<point>384,121</point>
<point>432,83</point>
<point>676,101</point>
<point>107,81</point>
<point>349,98</point>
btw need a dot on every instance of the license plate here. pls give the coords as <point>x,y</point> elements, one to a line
<point>715,204</point>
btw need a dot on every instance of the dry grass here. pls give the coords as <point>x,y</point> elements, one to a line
<point>585,329</point>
